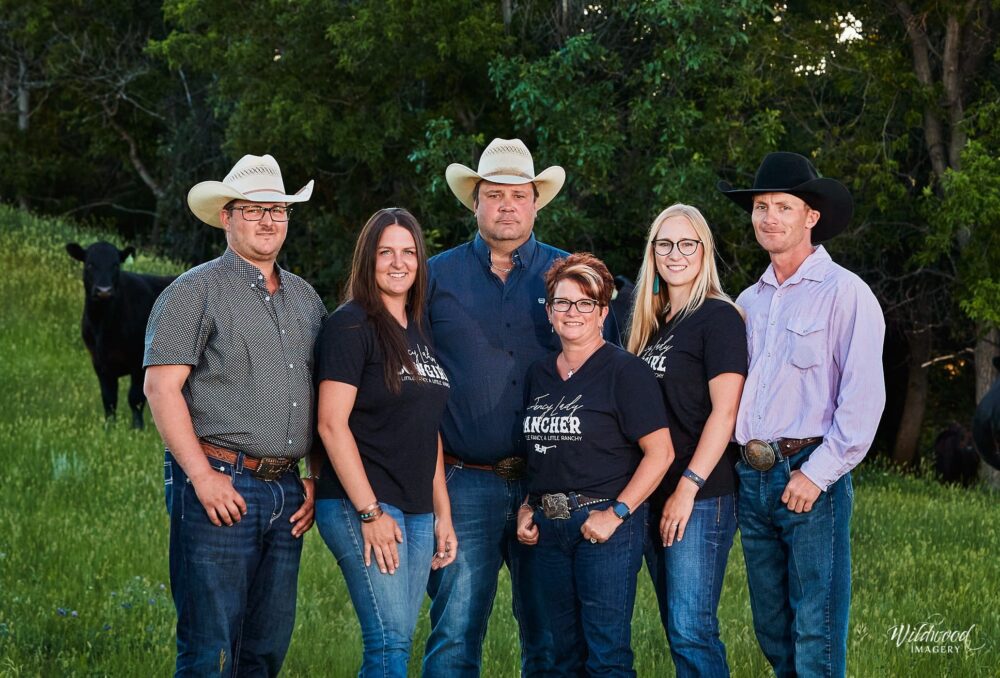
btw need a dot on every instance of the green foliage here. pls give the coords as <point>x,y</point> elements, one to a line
<point>84,586</point>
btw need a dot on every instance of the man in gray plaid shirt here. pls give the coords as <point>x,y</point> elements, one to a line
<point>229,356</point>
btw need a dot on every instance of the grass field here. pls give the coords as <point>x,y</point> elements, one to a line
<point>83,529</point>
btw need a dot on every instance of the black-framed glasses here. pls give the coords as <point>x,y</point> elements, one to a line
<point>686,246</point>
<point>582,305</point>
<point>256,212</point>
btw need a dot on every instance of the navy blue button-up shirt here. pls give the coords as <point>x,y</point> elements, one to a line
<point>486,334</point>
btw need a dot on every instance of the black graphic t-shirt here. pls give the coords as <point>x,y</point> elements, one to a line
<point>685,355</point>
<point>396,434</point>
<point>582,433</point>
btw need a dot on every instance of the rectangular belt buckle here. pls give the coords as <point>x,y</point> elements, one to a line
<point>555,506</point>
<point>759,455</point>
<point>510,468</point>
<point>271,468</point>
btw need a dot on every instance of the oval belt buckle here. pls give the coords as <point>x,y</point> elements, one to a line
<point>760,455</point>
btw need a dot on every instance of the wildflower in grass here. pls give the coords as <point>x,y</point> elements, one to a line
<point>61,611</point>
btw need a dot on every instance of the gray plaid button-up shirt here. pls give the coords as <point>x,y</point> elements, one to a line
<point>251,353</point>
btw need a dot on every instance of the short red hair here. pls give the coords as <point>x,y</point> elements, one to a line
<point>585,270</point>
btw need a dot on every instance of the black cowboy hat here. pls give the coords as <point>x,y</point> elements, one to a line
<point>793,174</point>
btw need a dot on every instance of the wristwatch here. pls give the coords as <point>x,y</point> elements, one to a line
<point>622,510</point>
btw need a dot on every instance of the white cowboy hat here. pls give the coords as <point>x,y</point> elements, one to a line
<point>505,161</point>
<point>254,178</point>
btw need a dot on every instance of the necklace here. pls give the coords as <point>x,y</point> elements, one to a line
<point>570,371</point>
<point>498,269</point>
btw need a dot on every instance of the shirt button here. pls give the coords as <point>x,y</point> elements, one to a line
<point>510,352</point>
<point>290,366</point>
<point>295,404</point>
<point>289,442</point>
<point>282,331</point>
<point>260,277</point>
<point>514,382</point>
<point>267,298</point>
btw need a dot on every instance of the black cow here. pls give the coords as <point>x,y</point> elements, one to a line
<point>955,458</point>
<point>986,423</point>
<point>115,311</point>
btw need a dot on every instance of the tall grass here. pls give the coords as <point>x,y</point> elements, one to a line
<point>83,529</point>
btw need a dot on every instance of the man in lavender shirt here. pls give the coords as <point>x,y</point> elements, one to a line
<point>812,401</point>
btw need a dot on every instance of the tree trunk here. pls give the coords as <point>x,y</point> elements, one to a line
<point>986,347</point>
<point>507,13</point>
<point>908,436</point>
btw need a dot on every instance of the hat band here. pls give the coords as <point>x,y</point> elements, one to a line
<point>508,171</point>
<point>280,191</point>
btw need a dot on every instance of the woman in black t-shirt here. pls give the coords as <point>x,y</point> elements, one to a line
<point>694,339</point>
<point>597,445</point>
<point>380,487</point>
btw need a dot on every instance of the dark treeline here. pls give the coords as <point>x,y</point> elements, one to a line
<point>111,111</point>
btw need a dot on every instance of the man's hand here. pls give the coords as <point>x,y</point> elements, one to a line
<point>302,519</point>
<point>800,493</point>
<point>221,501</point>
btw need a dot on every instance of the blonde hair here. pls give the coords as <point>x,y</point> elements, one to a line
<point>649,309</point>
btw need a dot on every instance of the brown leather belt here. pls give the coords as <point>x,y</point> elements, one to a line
<point>762,455</point>
<point>508,468</point>
<point>265,468</point>
<point>558,505</point>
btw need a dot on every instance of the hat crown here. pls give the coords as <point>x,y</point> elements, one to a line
<point>782,169</point>
<point>254,173</point>
<point>507,157</point>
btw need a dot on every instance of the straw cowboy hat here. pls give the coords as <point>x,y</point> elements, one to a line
<point>793,174</point>
<point>505,161</point>
<point>254,178</point>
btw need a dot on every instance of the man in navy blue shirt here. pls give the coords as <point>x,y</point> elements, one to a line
<point>486,304</point>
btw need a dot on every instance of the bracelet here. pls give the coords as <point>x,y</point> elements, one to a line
<point>370,516</point>
<point>371,506</point>
<point>693,477</point>
<point>526,505</point>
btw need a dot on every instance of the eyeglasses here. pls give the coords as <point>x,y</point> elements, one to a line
<point>256,212</point>
<point>685,246</point>
<point>582,305</point>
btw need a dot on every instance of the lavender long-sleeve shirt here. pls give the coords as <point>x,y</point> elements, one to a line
<point>815,345</point>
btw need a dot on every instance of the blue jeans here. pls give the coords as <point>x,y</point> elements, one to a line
<point>688,578</point>
<point>484,513</point>
<point>798,569</point>
<point>387,604</point>
<point>233,587</point>
<point>587,593</point>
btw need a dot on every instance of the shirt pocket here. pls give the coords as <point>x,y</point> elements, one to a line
<point>806,338</point>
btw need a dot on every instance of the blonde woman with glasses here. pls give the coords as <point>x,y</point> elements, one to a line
<point>693,337</point>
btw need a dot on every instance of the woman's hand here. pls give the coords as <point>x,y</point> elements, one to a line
<point>381,536</point>
<point>600,525</point>
<point>676,513</point>
<point>527,531</point>
<point>447,543</point>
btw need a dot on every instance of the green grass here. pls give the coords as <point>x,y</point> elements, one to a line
<point>83,529</point>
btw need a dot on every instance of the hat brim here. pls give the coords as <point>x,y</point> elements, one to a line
<point>462,181</point>
<point>207,199</point>
<point>829,197</point>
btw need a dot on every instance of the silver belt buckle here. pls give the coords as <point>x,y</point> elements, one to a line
<point>759,455</point>
<point>555,506</point>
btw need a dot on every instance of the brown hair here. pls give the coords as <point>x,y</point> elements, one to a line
<point>362,288</point>
<point>584,269</point>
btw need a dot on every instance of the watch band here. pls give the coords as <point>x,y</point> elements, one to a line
<point>693,477</point>
<point>622,510</point>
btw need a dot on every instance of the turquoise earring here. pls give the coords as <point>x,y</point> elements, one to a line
<point>656,283</point>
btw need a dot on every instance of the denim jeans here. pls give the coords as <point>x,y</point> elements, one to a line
<point>387,604</point>
<point>484,513</point>
<point>587,593</point>
<point>798,569</point>
<point>233,586</point>
<point>687,577</point>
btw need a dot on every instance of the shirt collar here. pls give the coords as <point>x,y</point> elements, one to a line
<point>815,267</point>
<point>522,256</point>
<point>245,269</point>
